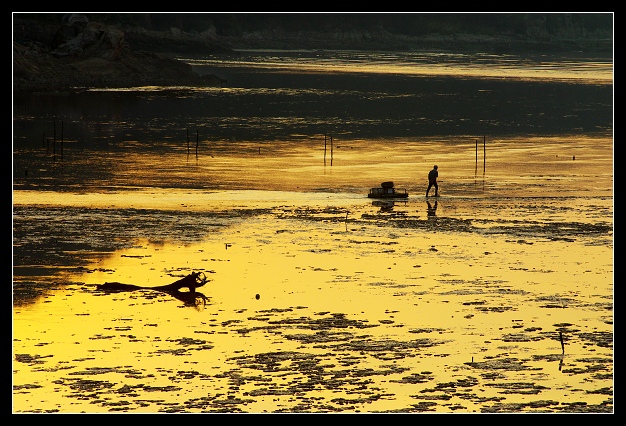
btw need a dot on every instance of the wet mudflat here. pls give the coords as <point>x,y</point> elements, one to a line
<point>498,301</point>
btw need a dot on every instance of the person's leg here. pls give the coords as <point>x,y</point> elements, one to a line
<point>430,184</point>
<point>436,189</point>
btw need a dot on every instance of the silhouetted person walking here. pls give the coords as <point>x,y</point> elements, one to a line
<point>432,181</point>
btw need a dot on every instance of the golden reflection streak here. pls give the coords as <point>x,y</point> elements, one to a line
<point>547,167</point>
<point>597,73</point>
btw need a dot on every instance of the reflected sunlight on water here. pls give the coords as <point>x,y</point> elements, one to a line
<point>477,298</point>
<point>478,65</point>
<point>468,167</point>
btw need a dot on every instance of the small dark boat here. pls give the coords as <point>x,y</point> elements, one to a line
<point>386,190</point>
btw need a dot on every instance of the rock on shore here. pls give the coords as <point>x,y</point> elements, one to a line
<point>79,54</point>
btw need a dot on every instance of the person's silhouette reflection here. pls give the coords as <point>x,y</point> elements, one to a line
<point>432,210</point>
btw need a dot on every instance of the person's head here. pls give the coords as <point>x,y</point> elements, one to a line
<point>435,167</point>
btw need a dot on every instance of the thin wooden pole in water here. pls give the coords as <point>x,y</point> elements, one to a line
<point>484,154</point>
<point>187,142</point>
<point>331,150</point>
<point>476,166</point>
<point>324,148</point>
<point>197,143</point>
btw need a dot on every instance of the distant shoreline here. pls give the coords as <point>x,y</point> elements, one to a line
<point>149,56</point>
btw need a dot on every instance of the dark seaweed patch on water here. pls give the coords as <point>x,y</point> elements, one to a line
<point>518,388</point>
<point>101,337</point>
<point>252,329</point>
<point>432,396</point>
<point>451,388</point>
<point>425,406</point>
<point>212,403</point>
<point>555,301</point>
<point>350,402</point>
<point>422,377</point>
<point>311,365</point>
<point>602,391</point>
<point>543,406</point>
<point>520,337</point>
<point>336,320</point>
<point>548,357</point>
<point>84,385</point>
<point>26,386</point>
<point>186,341</point>
<point>477,302</point>
<point>376,347</point>
<point>508,364</point>
<point>172,351</point>
<point>310,373</point>
<point>104,370</point>
<point>492,375</point>
<point>320,337</point>
<point>495,308</point>
<point>599,338</point>
<point>272,361</point>
<point>596,359</point>
<point>594,368</point>
<point>187,375</point>
<point>427,330</point>
<point>31,359</point>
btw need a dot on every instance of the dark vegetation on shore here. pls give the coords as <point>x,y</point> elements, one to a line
<point>150,41</point>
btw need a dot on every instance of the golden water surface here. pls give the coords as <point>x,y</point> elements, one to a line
<point>321,300</point>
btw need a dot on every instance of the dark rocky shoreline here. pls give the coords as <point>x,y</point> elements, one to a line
<point>37,67</point>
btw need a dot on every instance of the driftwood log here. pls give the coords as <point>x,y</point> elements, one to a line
<point>191,282</point>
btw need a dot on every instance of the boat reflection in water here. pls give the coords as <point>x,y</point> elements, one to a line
<point>386,206</point>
